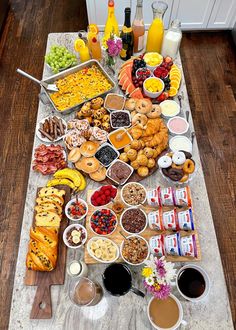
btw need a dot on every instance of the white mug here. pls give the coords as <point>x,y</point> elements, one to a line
<point>178,323</point>
<point>206,278</point>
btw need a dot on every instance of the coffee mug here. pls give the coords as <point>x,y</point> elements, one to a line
<point>194,285</point>
<point>180,311</point>
<point>117,280</point>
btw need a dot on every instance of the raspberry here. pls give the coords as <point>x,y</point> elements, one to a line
<point>103,197</point>
<point>96,194</point>
<point>104,188</point>
<point>107,192</point>
<point>98,200</point>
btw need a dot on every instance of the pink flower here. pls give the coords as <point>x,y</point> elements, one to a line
<point>114,46</point>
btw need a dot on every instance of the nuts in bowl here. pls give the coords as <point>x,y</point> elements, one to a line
<point>74,236</point>
<point>134,250</point>
<point>133,194</point>
<point>133,220</point>
<point>103,222</point>
<point>103,249</point>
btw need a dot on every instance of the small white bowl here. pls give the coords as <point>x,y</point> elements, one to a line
<point>180,142</point>
<point>173,103</point>
<point>122,111</point>
<point>123,213</point>
<point>121,131</point>
<point>153,67</point>
<point>73,201</point>
<point>101,235</point>
<point>111,146</point>
<point>121,248</point>
<point>101,206</point>
<point>137,76</point>
<point>130,167</point>
<point>106,239</point>
<point>76,225</point>
<point>181,119</point>
<point>109,109</point>
<point>151,94</point>
<point>122,190</point>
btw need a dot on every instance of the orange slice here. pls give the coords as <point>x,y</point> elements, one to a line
<point>175,70</point>
<point>173,91</point>
<point>175,77</point>
<point>93,28</point>
<point>79,44</point>
<point>174,83</point>
<point>174,66</point>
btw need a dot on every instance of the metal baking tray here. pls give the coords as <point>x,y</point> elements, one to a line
<point>72,70</point>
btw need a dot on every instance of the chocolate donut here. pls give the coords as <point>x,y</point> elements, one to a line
<point>187,154</point>
<point>175,174</point>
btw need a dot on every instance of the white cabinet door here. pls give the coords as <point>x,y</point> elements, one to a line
<point>193,14</point>
<point>223,15</point>
<point>97,11</point>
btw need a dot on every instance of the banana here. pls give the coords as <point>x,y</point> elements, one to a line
<point>69,173</point>
<point>83,181</point>
<point>56,182</point>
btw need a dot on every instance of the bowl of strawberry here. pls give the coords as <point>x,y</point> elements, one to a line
<point>103,222</point>
<point>76,209</point>
<point>103,196</point>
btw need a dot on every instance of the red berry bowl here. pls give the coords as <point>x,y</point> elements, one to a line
<point>103,196</point>
<point>103,222</point>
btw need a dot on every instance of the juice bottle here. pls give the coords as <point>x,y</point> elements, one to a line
<point>111,26</point>
<point>138,28</point>
<point>96,49</point>
<point>92,32</point>
<point>127,37</point>
<point>156,30</point>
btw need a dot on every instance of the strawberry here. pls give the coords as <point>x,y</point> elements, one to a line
<point>168,59</point>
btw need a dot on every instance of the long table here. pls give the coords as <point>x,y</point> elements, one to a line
<point>127,312</point>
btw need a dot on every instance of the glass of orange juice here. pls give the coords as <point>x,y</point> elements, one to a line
<point>81,47</point>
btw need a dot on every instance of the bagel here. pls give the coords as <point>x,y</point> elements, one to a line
<point>130,104</point>
<point>143,106</point>
<point>74,155</point>
<point>88,165</point>
<point>140,119</point>
<point>89,148</point>
<point>155,112</point>
<point>99,175</point>
<point>189,166</point>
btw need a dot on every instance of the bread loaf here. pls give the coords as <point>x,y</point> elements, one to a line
<point>50,198</point>
<point>47,219</point>
<point>54,207</point>
<point>51,191</point>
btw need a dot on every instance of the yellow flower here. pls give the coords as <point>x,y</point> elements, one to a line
<point>157,287</point>
<point>146,272</point>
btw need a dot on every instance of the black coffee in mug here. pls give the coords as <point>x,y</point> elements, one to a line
<point>117,279</point>
<point>191,283</point>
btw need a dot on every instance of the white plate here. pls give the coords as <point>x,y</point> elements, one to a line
<point>46,140</point>
<point>106,239</point>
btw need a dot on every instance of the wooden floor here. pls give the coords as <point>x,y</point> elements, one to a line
<point>210,70</point>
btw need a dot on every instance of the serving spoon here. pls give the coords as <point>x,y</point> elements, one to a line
<point>49,87</point>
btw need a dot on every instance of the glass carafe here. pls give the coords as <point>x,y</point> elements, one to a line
<point>172,40</point>
<point>156,30</point>
<point>138,27</point>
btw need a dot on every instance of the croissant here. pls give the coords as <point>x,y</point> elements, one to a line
<point>158,139</point>
<point>152,127</point>
<point>136,132</point>
<point>42,250</point>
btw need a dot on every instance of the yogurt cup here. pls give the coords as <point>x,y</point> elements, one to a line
<point>177,125</point>
<point>169,108</point>
<point>180,142</point>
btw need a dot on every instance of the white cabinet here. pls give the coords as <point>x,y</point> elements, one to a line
<point>97,11</point>
<point>223,15</point>
<point>193,14</point>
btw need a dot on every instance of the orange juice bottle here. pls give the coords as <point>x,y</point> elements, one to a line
<point>111,26</point>
<point>156,30</point>
<point>93,31</point>
<point>96,49</point>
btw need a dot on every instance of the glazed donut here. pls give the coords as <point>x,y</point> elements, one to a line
<point>164,162</point>
<point>155,112</point>
<point>178,158</point>
<point>99,175</point>
<point>179,167</point>
<point>140,119</point>
<point>130,104</point>
<point>189,166</point>
<point>143,106</point>
<point>89,165</point>
<point>184,178</point>
<point>89,148</point>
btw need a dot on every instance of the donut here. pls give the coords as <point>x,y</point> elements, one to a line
<point>164,162</point>
<point>175,174</point>
<point>143,106</point>
<point>130,104</point>
<point>89,165</point>
<point>74,155</point>
<point>189,166</point>
<point>178,158</point>
<point>188,155</point>
<point>155,112</point>
<point>179,167</point>
<point>139,118</point>
<point>99,175</point>
<point>89,148</point>
<point>184,178</point>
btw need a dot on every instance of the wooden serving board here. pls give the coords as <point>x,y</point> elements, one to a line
<point>42,305</point>
<point>117,238</point>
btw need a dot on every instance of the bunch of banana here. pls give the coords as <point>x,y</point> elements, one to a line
<point>70,177</point>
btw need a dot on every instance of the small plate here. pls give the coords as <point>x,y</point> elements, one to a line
<point>46,140</point>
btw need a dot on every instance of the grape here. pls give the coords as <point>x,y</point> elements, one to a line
<point>59,58</point>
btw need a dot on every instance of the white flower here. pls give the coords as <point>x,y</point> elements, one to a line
<point>149,280</point>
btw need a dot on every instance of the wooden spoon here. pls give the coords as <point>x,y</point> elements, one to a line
<point>120,135</point>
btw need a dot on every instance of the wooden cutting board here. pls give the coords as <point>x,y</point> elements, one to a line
<point>42,305</point>
<point>147,233</point>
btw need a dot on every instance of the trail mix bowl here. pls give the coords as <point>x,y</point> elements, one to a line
<point>134,250</point>
<point>133,220</point>
<point>133,194</point>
